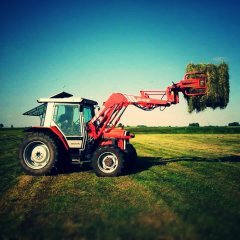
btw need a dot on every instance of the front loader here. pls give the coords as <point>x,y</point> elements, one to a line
<point>70,130</point>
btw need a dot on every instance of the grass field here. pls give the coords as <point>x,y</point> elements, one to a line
<point>185,186</point>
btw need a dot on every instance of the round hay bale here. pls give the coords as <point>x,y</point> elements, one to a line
<point>217,87</point>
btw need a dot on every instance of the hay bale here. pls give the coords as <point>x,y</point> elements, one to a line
<point>218,87</point>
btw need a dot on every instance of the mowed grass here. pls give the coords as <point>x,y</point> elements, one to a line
<point>185,186</point>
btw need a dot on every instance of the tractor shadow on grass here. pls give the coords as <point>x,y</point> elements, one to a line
<point>74,168</point>
<point>145,163</point>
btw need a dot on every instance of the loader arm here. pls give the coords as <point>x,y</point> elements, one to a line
<point>193,84</point>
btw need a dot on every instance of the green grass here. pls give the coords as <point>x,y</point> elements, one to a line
<point>185,186</point>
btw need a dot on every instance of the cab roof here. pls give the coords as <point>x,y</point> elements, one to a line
<point>64,97</point>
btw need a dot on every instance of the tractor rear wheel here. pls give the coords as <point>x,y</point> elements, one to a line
<point>38,154</point>
<point>108,161</point>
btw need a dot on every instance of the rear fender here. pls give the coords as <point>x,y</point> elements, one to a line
<point>51,131</point>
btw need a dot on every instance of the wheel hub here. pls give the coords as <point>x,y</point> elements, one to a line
<point>108,162</point>
<point>36,155</point>
<point>39,154</point>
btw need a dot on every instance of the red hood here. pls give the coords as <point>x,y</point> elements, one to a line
<point>118,133</point>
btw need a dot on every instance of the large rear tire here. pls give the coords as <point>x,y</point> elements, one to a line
<point>108,161</point>
<point>38,154</point>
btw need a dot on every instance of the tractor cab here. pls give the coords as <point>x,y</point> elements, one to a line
<point>66,116</point>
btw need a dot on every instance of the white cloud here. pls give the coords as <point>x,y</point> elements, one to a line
<point>220,59</point>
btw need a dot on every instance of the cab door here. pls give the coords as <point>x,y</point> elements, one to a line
<point>86,114</point>
<point>67,119</point>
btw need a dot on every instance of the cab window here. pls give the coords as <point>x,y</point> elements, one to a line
<point>67,118</point>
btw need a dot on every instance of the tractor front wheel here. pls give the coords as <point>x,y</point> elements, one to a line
<point>38,154</point>
<point>131,158</point>
<point>108,161</point>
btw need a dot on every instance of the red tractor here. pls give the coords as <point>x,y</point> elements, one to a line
<point>71,131</point>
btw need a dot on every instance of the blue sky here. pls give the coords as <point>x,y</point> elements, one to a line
<point>94,48</point>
